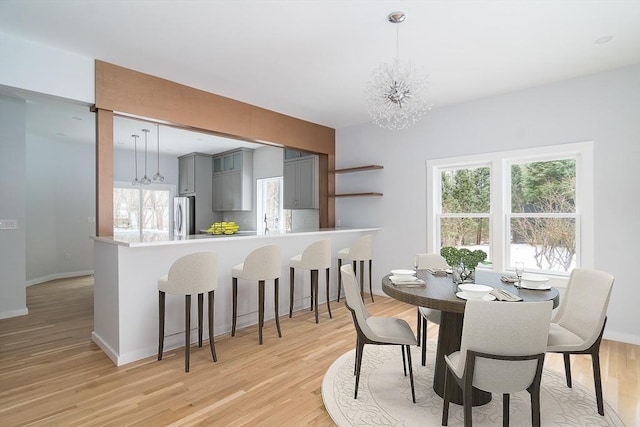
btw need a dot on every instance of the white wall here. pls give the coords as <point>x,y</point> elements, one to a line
<point>12,206</point>
<point>60,199</point>
<point>604,108</point>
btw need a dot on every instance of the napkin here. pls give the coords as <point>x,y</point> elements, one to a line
<point>502,295</point>
<point>417,283</point>
<point>437,272</point>
<point>509,279</point>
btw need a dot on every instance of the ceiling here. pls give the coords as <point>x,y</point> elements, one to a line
<point>312,59</point>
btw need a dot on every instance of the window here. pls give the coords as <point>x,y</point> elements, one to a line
<point>271,215</point>
<point>534,206</point>
<point>143,212</point>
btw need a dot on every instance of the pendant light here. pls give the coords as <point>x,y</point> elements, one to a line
<point>157,177</point>
<point>145,180</point>
<point>135,182</point>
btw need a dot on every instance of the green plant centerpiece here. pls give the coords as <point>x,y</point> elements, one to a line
<point>463,262</point>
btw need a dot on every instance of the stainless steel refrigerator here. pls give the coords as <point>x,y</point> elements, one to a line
<point>184,216</point>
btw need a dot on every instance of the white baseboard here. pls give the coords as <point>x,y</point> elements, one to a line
<point>57,276</point>
<point>621,337</point>
<point>14,313</point>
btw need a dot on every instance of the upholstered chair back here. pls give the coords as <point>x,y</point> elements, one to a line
<point>433,261</point>
<point>583,307</point>
<point>317,255</point>
<point>262,264</point>
<point>192,274</point>
<point>508,329</point>
<point>362,249</point>
<point>353,299</point>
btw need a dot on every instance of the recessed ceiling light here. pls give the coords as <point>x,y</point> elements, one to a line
<point>603,40</point>
<point>60,134</point>
<point>76,118</point>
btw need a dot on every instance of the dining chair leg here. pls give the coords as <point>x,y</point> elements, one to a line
<point>276,285</point>
<point>567,368</point>
<point>535,407</point>
<point>200,313</point>
<point>404,361</point>
<point>211,308</point>
<point>359,351</point>
<point>505,409</point>
<point>314,292</point>
<point>339,279</point>
<point>370,285</point>
<point>424,342</point>
<point>235,306</point>
<point>187,331</point>
<point>291,287</point>
<point>260,309</point>
<point>595,363</point>
<point>418,324</point>
<point>161,305</point>
<point>328,299</point>
<point>413,391</point>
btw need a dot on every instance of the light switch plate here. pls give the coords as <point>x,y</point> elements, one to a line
<point>8,224</point>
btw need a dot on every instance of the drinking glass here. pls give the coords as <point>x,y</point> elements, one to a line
<point>519,271</point>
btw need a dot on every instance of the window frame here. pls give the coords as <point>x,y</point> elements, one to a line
<point>500,197</point>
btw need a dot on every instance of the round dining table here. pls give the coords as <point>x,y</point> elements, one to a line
<point>439,293</point>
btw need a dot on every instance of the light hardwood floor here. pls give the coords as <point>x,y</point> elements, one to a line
<point>51,373</point>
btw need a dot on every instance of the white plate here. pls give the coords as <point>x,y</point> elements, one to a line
<point>409,280</point>
<point>542,287</point>
<point>487,297</point>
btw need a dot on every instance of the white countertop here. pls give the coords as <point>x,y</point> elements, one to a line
<point>138,241</point>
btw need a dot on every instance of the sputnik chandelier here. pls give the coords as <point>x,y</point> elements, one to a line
<point>396,92</point>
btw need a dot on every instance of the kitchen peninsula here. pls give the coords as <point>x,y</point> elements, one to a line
<point>126,293</point>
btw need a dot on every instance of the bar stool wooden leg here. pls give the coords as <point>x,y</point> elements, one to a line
<point>361,277</point>
<point>200,310</point>
<point>291,287</point>
<point>161,301</point>
<point>328,299</point>
<point>187,331</point>
<point>314,292</point>
<point>260,309</point>
<point>311,293</point>
<point>370,286</point>
<point>235,306</point>
<point>277,292</point>
<point>339,279</point>
<point>212,346</point>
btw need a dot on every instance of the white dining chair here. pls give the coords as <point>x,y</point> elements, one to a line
<point>579,323</point>
<point>423,262</point>
<point>374,329</point>
<point>502,351</point>
<point>192,274</point>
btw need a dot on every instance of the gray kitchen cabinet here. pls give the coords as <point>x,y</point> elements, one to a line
<point>194,179</point>
<point>233,180</point>
<point>300,181</point>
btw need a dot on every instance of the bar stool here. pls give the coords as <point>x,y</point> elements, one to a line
<point>423,262</point>
<point>261,264</point>
<point>314,257</point>
<point>361,250</point>
<point>196,273</point>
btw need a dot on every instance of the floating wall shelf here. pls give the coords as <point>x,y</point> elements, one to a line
<point>359,169</point>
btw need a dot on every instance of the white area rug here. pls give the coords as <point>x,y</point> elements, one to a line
<point>384,396</point>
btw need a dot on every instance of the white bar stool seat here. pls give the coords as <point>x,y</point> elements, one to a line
<point>195,273</point>
<point>260,265</point>
<point>316,256</point>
